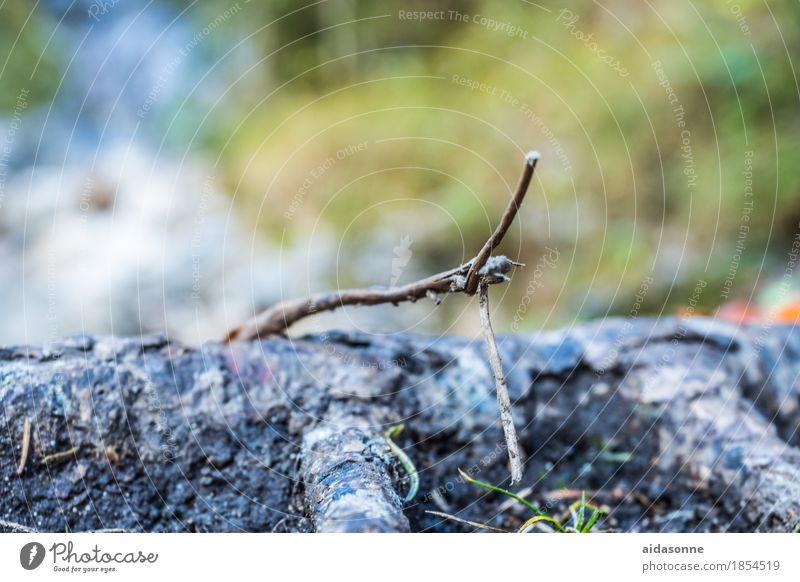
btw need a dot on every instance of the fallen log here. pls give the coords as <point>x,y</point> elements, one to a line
<point>690,423</point>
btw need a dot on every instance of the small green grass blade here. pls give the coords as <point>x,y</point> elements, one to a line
<point>514,496</point>
<point>581,512</point>
<point>528,525</point>
<point>405,460</point>
<point>592,520</point>
<point>577,511</point>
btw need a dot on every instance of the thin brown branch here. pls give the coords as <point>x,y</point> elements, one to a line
<point>26,446</point>
<point>505,222</point>
<point>483,267</point>
<point>278,318</point>
<point>281,316</point>
<point>501,387</point>
<point>56,458</point>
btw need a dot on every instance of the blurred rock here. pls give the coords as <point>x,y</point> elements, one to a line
<point>137,245</point>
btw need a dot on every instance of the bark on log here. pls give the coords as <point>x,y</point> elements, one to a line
<point>680,425</point>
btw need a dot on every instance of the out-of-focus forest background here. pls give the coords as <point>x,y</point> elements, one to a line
<point>176,166</point>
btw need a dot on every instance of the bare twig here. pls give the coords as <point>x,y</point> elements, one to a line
<point>482,271</point>
<point>464,279</point>
<point>56,458</point>
<point>26,446</point>
<point>279,317</point>
<point>501,387</point>
<point>505,222</point>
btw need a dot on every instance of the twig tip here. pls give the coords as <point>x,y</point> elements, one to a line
<point>532,156</point>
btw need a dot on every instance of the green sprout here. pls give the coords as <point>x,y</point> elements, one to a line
<point>574,519</point>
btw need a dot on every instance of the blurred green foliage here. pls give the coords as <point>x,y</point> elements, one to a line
<point>446,107</point>
<point>611,194</point>
<point>24,64</point>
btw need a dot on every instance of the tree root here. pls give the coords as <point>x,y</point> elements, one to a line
<point>348,483</point>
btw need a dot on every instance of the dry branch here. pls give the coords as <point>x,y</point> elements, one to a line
<point>483,270</point>
<point>505,222</point>
<point>501,387</point>
<point>461,279</point>
<point>26,445</point>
